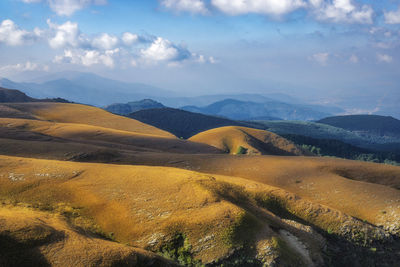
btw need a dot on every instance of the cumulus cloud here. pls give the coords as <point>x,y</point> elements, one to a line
<point>342,11</point>
<point>320,58</point>
<point>392,17</point>
<point>129,38</point>
<point>67,34</point>
<point>338,11</point>
<point>88,57</point>
<point>105,42</point>
<point>384,58</point>
<point>163,50</point>
<point>12,35</point>
<point>269,7</point>
<point>103,48</point>
<point>192,6</point>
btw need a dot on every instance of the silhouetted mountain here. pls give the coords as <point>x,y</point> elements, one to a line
<point>10,95</point>
<point>130,107</point>
<point>16,96</point>
<point>369,124</point>
<point>181,123</point>
<point>245,110</point>
<point>86,88</point>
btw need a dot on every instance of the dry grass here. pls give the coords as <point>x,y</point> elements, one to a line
<point>254,142</point>
<point>82,114</point>
<point>30,237</point>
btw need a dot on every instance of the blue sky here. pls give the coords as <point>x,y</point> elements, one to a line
<point>325,51</point>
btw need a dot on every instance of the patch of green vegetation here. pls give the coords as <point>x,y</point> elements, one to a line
<point>287,254</point>
<point>242,231</point>
<point>241,150</point>
<point>178,249</point>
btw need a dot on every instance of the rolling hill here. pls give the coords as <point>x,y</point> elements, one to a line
<point>75,131</point>
<point>242,140</point>
<point>86,187</point>
<point>247,110</point>
<point>181,123</point>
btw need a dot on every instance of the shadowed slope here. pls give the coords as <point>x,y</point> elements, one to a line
<point>251,141</point>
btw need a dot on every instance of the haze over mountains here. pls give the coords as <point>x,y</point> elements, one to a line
<point>95,90</point>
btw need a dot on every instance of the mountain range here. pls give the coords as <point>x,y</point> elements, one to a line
<point>86,88</point>
<point>249,110</point>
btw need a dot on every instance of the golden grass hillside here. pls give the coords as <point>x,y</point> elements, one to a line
<point>242,140</point>
<point>193,217</point>
<point>82,114</point>
<point>30,237</point>
<point>53,133</point>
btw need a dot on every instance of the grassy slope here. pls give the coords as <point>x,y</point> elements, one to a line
<point>147,206</point>
<point>30,237</point>
<point>231,138</point>
<point>82,114</point>
<point>232,202</point>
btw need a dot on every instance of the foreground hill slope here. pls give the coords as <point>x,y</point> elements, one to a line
<point>242,140</point>
<point>231,219</point>
<point>181,123</point>
<point>30,237</point>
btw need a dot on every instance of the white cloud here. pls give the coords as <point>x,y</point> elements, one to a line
<point>342,11</point>
<point>101,49</point>
<point>268,7</point>
<point>68,7</point>
<point>384,58</point>
<point>105,42</point>
<point>66,34</point>
<point>320,58</point>
<point>12,35</point>
<point>88,57</point>
<point>129,38</point>
<point>163,50</point>
<point>27,66</point>
<point>392,17</point>
<point>192,6</point>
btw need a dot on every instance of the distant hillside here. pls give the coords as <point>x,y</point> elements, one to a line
<point>371,124</point>
<point>16,96</point>
<point>243,140</point>
<point>325,131</point>
<point>13,96</point>
<point>181,123</point>
<point>130,107</point>
<point>245,110</point>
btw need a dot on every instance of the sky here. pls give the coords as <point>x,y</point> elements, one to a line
<point>324,51</point>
